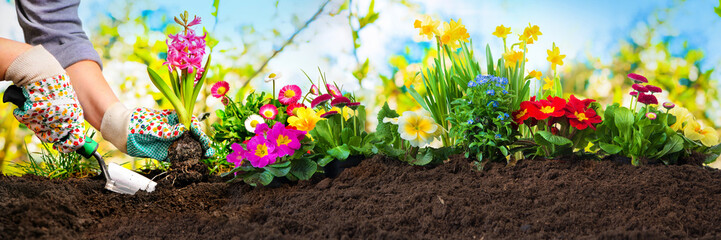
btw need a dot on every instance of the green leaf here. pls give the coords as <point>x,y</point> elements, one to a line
<point>341,152</point>
<point>166,91</point>
<point>623,118</point>
<point>489,60</point>
<point>674,144</point>
<point>216,4</point>
<point>717,10</point>
<point>263,178</point>
<point>277,172</point>
<point>346,134</point>
<point>280,165</point>
<point>610,148</point>
<point>424,158</point>
<point>325,160</point>
<point>200,83</point>
<point>303,168</point>
<point>547,138</point>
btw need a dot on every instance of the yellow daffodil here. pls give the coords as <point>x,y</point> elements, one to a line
<point>548,83</point>
<point>707,135</point>
<point>555,57</point>
<point>454,33</point>
<point>682,116</point>
<point>502,31</point>
<point>304,119</point>
<point>535,74</point>
<point>427,26</point>
<point>418,129</point>
<point>530,34</point>
<point>513,57</point>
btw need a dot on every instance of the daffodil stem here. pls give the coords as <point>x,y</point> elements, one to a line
<point>273,89</point>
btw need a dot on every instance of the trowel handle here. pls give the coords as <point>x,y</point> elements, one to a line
<point>90,149</point>
<point>14,94</point>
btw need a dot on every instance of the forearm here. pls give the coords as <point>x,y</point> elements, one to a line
<point>9,50</point>
<point>94,93</point>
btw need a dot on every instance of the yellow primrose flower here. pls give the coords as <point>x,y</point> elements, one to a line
<point>418,129</point>
<point>548,83</point>
<point>530,34</point>
<point>304,119</point>
<point>427,26</point>
<point>535,74</point>
<point>707,135</point>
<point>347,112</point>
<point>682,115</point>
<point>513,57</point>
<point>453,32</point>
<point>555,57</point>
<point>502,31</point>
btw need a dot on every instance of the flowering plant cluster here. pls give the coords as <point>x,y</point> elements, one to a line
<point>562,125</point>
<point>291,134</point>
<point>409,136</point>
<point>641,133</point>
<point>482,120</point>
<point>187,74</point>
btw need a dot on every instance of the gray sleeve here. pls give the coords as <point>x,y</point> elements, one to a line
<point>55,25</point>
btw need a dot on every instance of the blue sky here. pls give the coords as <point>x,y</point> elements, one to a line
<point>577,27</point>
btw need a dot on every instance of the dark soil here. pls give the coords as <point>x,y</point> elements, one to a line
<point>185,167</point>
<point>386,199</point>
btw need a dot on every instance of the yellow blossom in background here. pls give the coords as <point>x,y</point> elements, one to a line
<point>427,26</point>
<point>707,135</point>
<point>347,112</point>
<point>536,74</point>
<point>512,58</point>
<point>548,83</point>
<point>682,115</point>
<point>555,57</point>
<point>530,34</point>
<point>453,33</point>
<point>502,31</point>
<point>305,119</point>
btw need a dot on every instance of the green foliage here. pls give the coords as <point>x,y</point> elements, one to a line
<point>230,126</point>
<point>634,135</point>
<point>338,138</point>
<point>482,122</point>
<point>57,165</point>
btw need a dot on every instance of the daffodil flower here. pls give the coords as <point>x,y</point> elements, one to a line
<point>555,57</point>
<point>502,31</point>
<point>427,26</point>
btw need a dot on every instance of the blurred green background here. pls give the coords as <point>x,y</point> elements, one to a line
<point>371,48</point>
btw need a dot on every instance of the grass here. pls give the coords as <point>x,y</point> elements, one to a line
<point>57,165</point>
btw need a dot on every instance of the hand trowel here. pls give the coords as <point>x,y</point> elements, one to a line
<point>118,179</point>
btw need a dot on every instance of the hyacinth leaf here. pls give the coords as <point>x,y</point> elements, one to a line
<point>201,81</point>
<point>303,168</point>
<point>187,91</point>
<point>610,148</point>
<point>558,87</point>
<point>174,82</point>
<point>167,92</point>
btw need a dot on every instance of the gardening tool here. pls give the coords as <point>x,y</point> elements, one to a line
<point>118,179</point>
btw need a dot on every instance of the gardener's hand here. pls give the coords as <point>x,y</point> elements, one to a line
<point>143,132</point>
<point>51,108</point>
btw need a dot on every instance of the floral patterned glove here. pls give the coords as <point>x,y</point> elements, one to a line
<point>51,108</point>
<point>143,132</point>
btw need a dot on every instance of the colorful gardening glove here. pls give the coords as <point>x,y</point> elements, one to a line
<point>143,132</point>
<point>51,109</point>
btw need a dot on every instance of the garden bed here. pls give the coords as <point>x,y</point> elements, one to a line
<point>386,199</point>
